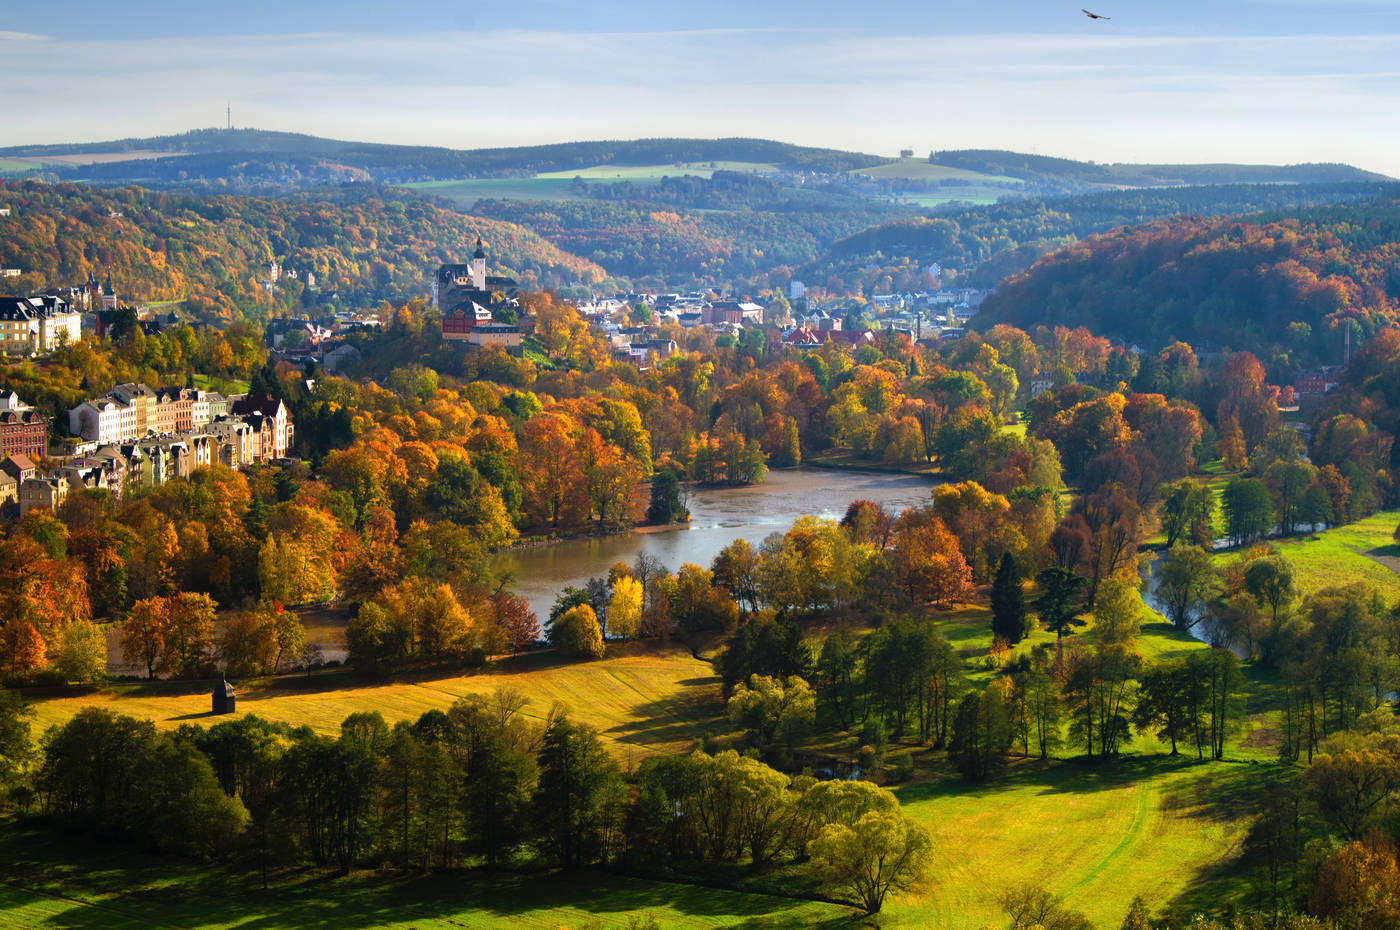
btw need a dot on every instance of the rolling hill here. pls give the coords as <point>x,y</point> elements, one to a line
<point>982,245</point>
<point>208,251</point>
<point>1284,284</point>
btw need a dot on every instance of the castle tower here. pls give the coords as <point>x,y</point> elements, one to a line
<point>479,266</point>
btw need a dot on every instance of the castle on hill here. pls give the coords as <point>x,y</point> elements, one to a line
<point>469,299</point>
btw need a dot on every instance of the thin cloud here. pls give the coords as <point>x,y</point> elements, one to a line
<point>1117,96</point>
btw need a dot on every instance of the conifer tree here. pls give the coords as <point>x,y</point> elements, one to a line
<point>1008,603</point>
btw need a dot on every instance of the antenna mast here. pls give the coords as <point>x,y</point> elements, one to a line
<point>228,115</point>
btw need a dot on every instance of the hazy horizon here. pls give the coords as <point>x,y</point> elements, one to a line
<point>1267,82</point>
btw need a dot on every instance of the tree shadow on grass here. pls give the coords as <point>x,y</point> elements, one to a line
<point>125,888</point>
<point>670,720</point>
<point>1057,776</point>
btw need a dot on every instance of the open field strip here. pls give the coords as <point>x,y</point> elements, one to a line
<point>468,191</point>
<point>559,185</point>
<point>696,169</point>
<point>1096,834</point>
<point>1363,551</point>
<point>642,702</point>
<point>919,169</point>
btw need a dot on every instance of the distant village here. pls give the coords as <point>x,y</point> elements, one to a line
<point>138,436</point>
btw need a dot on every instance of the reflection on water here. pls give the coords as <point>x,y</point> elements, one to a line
<point>718,517</point>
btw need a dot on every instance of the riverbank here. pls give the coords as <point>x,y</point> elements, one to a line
<point>718,517</point>
<point>846,461</point>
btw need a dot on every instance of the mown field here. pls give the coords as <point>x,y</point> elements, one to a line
<point>1096,834</point>
<point>642,701</point>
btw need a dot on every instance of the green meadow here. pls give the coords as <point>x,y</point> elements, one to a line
<point>919,169</point>
<point>559,185</point>
<point>1363,551</point>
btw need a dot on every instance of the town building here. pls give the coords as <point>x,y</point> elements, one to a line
<point>42,493</point>
<point>23,430</point>
<point>272,421</point>
<point>37,325</point>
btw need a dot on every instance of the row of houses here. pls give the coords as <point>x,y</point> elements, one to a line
<point>133,411</point>
<point>244,431</point>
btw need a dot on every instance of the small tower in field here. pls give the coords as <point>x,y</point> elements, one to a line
<point>223,697</point>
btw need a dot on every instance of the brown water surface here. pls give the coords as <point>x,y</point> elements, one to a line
<point>718,517</point>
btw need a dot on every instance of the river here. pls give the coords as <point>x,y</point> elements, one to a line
<point>718,517</point>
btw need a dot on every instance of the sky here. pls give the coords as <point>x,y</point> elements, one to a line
<point>1262,81</point>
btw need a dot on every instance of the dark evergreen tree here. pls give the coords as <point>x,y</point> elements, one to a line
<point>1056,604</point>
<point>579,789</point>
<point>981,735</point>
<point>667,505</point>
<point>1008,602</point>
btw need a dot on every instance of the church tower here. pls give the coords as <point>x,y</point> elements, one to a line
<point>479,266</point>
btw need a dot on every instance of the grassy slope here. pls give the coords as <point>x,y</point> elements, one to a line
<point>559,185</point>
<point>919,169</point>
<point>1362,551</point>
<point>468,191</point>
<point>645,701</point>
<point>75,884</point>
<point>699,169</point>
<point>1097,834</point>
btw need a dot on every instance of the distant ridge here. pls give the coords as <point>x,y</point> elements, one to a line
<point>382,160</point>
<point>288,157</point>
<point>1061,171</point>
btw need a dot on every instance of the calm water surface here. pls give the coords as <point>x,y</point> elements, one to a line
<point>718,517</point>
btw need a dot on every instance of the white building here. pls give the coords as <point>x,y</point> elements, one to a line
<point>37,325</point>
<point>102,420</point>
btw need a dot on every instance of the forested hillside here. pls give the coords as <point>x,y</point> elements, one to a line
<point>209,251</point>
<point>989,243</point>
<point>213,154</point>
<point>676,245</point>
<point>1280,285</point>
<point>1047,172</point>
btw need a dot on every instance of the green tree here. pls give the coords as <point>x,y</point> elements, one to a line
<point>578,794</point>
<point>1249,511</point>
<point>1186,512</point>
<point>1168,703</point>
<point>774,710</point>
<point>15,745</point>
<point>981,735</point>
<point>1270,582</point>
<point>498,771</point>
<point>865,846</point>
<point>577,633</point>
<point>1056,604</point>
<point>667,503</point>
<point>82,653</point>
<point>1186,580</point>
<point>1009,620</point>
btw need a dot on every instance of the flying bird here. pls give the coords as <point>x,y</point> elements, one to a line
<point>1093,15</point>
